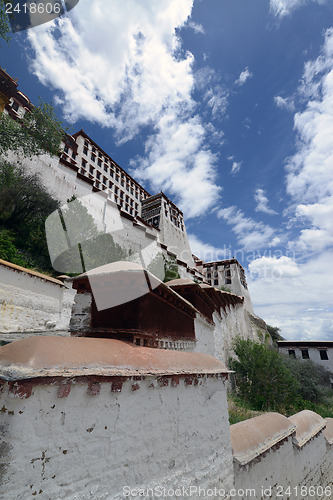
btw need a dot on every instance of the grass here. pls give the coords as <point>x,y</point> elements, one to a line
<point>240,410</point>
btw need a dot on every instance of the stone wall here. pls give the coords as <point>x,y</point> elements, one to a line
<point>137,418</point>
<point>279,457</point>
<point>30,301</point>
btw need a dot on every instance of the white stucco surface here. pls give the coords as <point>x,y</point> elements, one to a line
<point>29,303</point>
<point>285,468</point>
<point>90,447</point>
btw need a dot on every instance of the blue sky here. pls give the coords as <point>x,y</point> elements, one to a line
<point>227,106</point>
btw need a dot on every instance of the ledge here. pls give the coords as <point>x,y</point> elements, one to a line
<point>308,425</point>
<point>257,435</point>
<point>81,356</point>
<point>35,274</point>
<point>328,432</point>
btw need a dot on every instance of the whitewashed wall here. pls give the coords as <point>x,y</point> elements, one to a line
<point>87,446</point>
<point>29,302</point>
<point>282,459</point>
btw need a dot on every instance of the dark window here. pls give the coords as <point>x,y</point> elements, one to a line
<point>93,157</point>
<point>98,175</point>
<point>110,184</point>
<point>94,150</point>
<point>323,354</point>
<point>305,353</point>
<point>91,169</point>
<point>292,353</point>
<point>105,168</point>
<point>15,106</point>
<point>227,281</point>
<point>73,155</point>
<point>209,282</point>
<point>83,163</point>
<point>86,143</point>
<point>99,162</point>
<point>85,151</point>
<point>66,149</point>
<point>228,272</point>
<point>209,275</point>
<point>216,282</point>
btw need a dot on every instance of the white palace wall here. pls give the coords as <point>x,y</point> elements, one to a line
<point>32,302</point>
<point>90,436</point>
<point>100,419</point>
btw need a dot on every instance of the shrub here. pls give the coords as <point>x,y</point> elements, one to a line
<point>262,378</point>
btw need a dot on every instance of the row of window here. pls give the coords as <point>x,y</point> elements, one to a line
<point>227,281</point>
<point>226,274</point>
<point>305,354</point>
<point>110,168</point>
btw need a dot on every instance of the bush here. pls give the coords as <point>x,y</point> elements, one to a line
<point>262,378</point>
<point>24,206</point>
<point>314,380</point>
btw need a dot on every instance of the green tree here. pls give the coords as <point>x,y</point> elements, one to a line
<point>274,332</point>
<point>4,25</point>
<point>314,380</point>
<point>24,206</point>
<point>262,378</point>
<point>39,131</point>
<point>164,268</point>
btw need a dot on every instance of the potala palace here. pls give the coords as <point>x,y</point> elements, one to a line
<point>113,384</point>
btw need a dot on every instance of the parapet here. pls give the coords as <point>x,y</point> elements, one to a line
<point>43,356</point>
<point>251,438</point>
<point>308,425</point>
<point>328,432</point>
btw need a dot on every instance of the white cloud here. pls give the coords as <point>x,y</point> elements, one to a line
<point>309,179</point>
<point>262,202</point>
<point>284,103</point>
<point>236,166</point>
<point>274,267</point>
<point>283,8</point>
<point>217,99</point>
<point>295,297</point>
<point>250,234</point>
<point>197,28</point>
<point>245,75</point>
<point>130,72</point>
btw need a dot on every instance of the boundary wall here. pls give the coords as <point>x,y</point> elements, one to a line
<point>101,418</point>
<point>137,418</point>
<point>32,302</point>
<point>279,457</point>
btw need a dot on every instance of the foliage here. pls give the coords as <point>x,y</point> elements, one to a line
<point>170,269</point>
<point>224,288</point>
<point>8,250</point>
<point>164,268</point>
<point>274,333</point>
<point>239,409</point>
<point>37,132</point>
<point>314,380</point>
<point>24,206</point>
<point>4,25</point>
<point>262,378</point>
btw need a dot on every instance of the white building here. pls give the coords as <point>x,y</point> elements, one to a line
<point>320,352</point>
